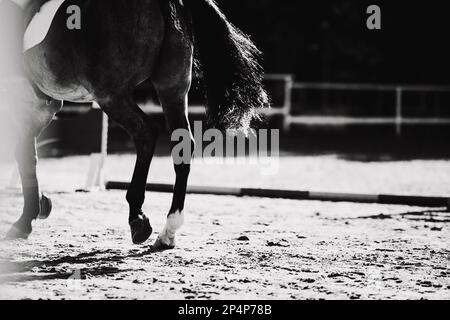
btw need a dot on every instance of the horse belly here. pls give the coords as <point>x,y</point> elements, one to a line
<point>76,93</point>
<point>43,77</point>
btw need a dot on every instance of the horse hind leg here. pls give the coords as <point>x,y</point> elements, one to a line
<point>144,132</point>
<point>175,104</point>
<point>172,81</point>
<point>36,205</point>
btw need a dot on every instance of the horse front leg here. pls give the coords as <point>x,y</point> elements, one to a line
<point>35,205</point>
<point>26,160</point>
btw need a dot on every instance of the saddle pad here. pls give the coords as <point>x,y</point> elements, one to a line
<point>40,24</point>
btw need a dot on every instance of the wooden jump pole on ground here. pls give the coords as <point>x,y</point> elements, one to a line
<point>418,201</point>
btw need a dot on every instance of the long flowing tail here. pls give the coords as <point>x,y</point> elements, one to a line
<point>231,68</point>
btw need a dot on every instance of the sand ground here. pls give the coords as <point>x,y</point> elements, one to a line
<point>235,248</point>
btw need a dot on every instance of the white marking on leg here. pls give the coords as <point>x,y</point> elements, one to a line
<point>173,224</point>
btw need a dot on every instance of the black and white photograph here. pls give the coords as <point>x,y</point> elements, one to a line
<point>224,150</point>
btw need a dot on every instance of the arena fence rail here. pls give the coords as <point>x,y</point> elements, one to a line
<point>399,119</point>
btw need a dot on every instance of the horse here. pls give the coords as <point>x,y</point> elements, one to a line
<point>120,44</point>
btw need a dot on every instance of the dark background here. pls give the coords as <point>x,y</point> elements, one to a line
<point>325,40</point>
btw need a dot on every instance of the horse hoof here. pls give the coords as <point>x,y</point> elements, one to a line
<point>141,229</point>
<point>159,245</point>
<point>46,208</point>
<point>16,234</point>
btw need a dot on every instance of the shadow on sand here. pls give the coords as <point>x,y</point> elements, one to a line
<point>95,263</point>
<point>427,216</point>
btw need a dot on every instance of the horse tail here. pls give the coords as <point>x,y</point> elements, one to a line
<point>230,64</point>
